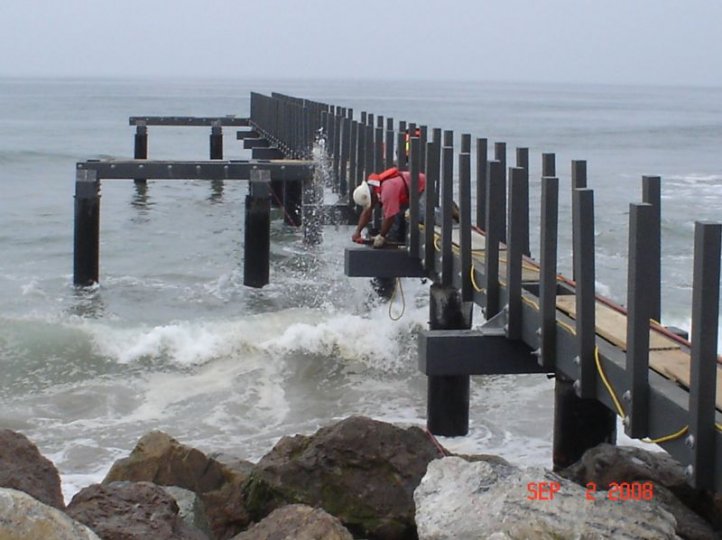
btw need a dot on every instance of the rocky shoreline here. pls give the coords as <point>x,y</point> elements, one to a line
<point>357,478</point>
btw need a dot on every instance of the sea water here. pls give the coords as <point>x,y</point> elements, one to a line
<point>172,340</point>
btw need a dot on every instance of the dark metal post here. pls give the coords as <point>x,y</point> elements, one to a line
<point>514,250</point>
<point>343,167</point>
<point>583,229</point>
<point>639,307</point>
<point>651,194</point>
<point>467,292</point>
<point>257,234</point>
<point>432,181</point>
<point>522,161</point>
<point>447,410</point>
<point>549,167</point>
<point>494,223</point>
<point>548,272</point>
<point>86,252</point>
<point>481,170</point>
<point>465,143</point>
<point>579,181</point>
<point>703,376</point>
<point>500,156</point>
<point>423,138</point>
<point>447,194</point>
<point>414,157</point>
<point>389,143</point>
<point>352,170</point>
<point>216,141</point>
<point>141,147</point>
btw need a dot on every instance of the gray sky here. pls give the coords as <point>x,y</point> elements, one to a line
<point>607,41</point>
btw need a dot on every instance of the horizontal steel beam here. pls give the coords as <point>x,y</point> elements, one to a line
<point>470,352</point>
<point>187,121</point>
<point>266,153</point>
<point>260,142</point>
<point>365,261</point>
<point>197,170</point>
<point>247,134</point>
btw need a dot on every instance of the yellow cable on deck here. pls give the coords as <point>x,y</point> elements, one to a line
<point>473,280</point>
<point>607,385</point>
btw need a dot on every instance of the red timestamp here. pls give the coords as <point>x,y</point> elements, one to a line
<point>617,491</point>
<point>622,491</point>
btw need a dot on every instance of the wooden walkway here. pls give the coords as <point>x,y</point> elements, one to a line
<point>668,354</point>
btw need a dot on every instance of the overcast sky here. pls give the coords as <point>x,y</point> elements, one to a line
<point>607,41</point>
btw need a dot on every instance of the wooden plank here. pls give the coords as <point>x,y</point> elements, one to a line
<point>674,365</point>
<point>612,325</point>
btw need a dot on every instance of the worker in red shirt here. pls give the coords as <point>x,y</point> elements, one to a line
<point>390,189</point>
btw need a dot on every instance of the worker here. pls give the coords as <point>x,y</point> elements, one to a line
<point>390,189</point>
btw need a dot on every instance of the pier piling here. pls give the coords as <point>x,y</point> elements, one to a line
<point>257,230</point>
<point>87,228</point>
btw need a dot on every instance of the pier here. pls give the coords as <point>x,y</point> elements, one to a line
<point>607,360</point>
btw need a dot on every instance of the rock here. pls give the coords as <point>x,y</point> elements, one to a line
<point>24,468</point>
<point>362,471</point>
<point>130,511</point>
<point>458,499</point>
<point>23,517</point>
<point>297,522</point>
<point>190,508</point>
<point>217,480</point>
<point>608,463</point>
<point>160,459</point>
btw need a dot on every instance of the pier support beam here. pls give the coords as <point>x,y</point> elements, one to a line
<point>87,228</point>
<point>447,409</point>
<point>579,424</point>
<point>257,239</point>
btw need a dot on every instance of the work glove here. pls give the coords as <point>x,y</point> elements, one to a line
<point>379,241</point>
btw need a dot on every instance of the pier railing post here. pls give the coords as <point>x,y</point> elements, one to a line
<point>518,217</point>
<point>651,194</point>
<point>432,181</point>
<point>494,227</point>
<point>522,190</point>
<point>703,376</point>
<point>639,309</point>
<point>584,270</point>
<point>548,271</point>
<point>481,171</point>
<point>389,143</point>
<point>257,237</point>
<point>414,215</point>
<point>467,292</point>
<point>447,409</point>
<point>86,252</point>
<point>447,193</point>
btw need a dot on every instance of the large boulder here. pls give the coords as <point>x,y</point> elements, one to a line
<point>24,468</point>
<point>159,458</point>
<point>217,480</point>
<point>299,522</point>
<point>23,517</point>
<point>458,499</point>
<point>362,471</point>
<point>131,511</point>
<point>608,463</point>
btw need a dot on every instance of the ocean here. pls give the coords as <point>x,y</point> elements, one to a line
<point>171,340</point>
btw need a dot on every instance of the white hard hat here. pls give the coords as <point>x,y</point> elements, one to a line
<point>362,195</point>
